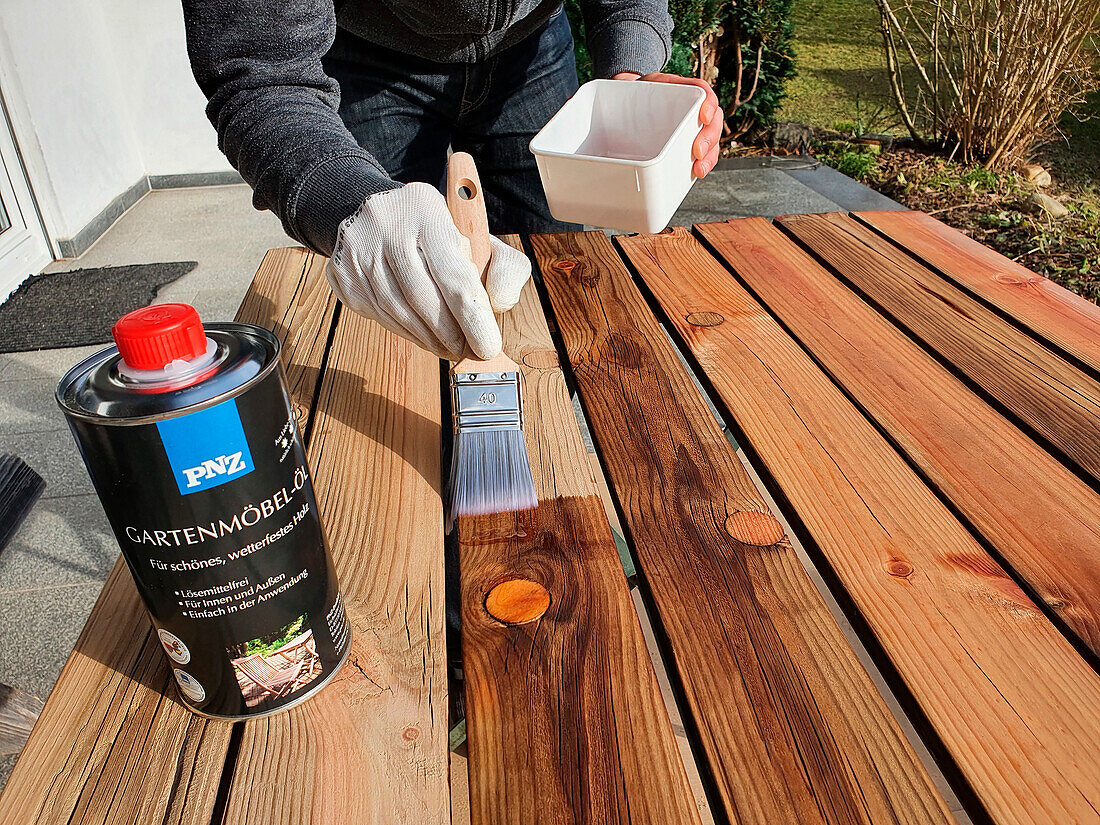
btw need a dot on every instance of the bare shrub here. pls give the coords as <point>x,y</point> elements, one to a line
<point>989,78</point>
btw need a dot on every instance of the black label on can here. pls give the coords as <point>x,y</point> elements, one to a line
<point>216,517</point>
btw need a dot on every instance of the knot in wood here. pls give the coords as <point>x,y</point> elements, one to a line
<point>705,319</point>
<point>1015,280</point>
<point>541,359</point>
<point>900,569</point>
<point>577,269</point>
<point>622,351</point>
<point>750,527</point>
<point>517,601</point>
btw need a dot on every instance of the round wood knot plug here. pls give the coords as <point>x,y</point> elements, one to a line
<point>517,601</point>
<point>749,527</point>
<point>705,319</point>
<point>899,569</point>
<point>577,269</point>
<point>541,359</point>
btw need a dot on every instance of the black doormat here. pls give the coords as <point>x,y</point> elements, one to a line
<point>77,308</point>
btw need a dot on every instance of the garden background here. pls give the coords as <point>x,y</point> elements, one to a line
<point>825,89</point>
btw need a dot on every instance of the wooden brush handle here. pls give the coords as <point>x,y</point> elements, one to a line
<point>467,206</point>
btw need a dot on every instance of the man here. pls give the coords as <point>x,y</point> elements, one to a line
<point>340,114</point>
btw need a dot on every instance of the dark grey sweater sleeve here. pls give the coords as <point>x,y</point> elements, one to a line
<point>259,64</point>
<point>627,35</point>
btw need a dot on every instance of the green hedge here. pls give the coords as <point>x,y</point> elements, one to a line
<point>758,21</point>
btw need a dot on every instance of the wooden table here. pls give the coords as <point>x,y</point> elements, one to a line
<point>927,415</point>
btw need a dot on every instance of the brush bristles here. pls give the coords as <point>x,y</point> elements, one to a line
<point>490,473</point>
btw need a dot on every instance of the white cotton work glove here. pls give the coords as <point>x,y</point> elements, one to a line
<point>401,261</point>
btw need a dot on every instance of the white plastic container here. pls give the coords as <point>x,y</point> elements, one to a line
<point>618,153</point>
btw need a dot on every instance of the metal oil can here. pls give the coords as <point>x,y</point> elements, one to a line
<point>190,439</point>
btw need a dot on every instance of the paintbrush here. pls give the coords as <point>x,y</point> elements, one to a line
<point>490,471</point>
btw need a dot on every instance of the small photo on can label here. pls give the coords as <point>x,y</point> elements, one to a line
<point>189,686</point>
<point>274,666</point>
<point>175,648</point>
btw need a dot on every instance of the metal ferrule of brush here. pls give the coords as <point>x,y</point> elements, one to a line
<point>486,401</point>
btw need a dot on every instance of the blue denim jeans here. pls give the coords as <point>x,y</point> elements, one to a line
<point>406,111</point>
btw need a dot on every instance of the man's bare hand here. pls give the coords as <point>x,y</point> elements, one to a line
<point>705,148</point>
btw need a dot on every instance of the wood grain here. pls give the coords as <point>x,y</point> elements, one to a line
<point>1026,503</point>
<point>1005,692</point>
<point>466,203</point>
<point>18,713</point>
<point>791,724</point>
<point>113,743</point>
<point>565,721</point>
<point>371,747</point>
<point>1050,311</point>
<point>1056,399</point>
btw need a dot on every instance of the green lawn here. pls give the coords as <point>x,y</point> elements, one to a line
<point>842,78</point>
<point>841,67</point>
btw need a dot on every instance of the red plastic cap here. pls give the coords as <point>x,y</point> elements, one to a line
<point>153,337</point>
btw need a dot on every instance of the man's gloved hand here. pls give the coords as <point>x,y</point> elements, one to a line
<point>401,261</point>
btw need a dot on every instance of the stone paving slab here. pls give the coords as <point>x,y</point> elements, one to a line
<point>774,186</point>
<point>743,193</point>
<point>41,364</point>
<point>27,406</point>
<point>7,762</point>
<point>217,304</point>
<point>850,194</point>
<point>53,455</point>
<point>63,541</point>
<point>40,628</point>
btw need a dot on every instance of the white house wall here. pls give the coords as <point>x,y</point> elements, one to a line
<point>100,95</point>
<point>167,106</point>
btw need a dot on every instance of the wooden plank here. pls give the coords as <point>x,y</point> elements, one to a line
<point>1056,399</point>
<point>113,743</point>
<point>371,747</point>
<point>1026,503</point>
<point>1005,692</point>
<point>1050,311</point>
<point>565,720</point>
<point>791,724</point>
<point>18,713</point>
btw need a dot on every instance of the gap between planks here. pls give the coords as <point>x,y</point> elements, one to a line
<point>790,724</point>
<point>565,720</point>
<point>990,472</point>
<point>1008,696</point>
<point>371,746</point>
<point>1049,312</point>
<point>113,741</point>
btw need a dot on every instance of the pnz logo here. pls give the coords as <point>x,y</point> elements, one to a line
<point>223,465</point>
<point>207,448</point>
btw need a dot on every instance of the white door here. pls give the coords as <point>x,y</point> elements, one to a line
<point>23,247</point>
